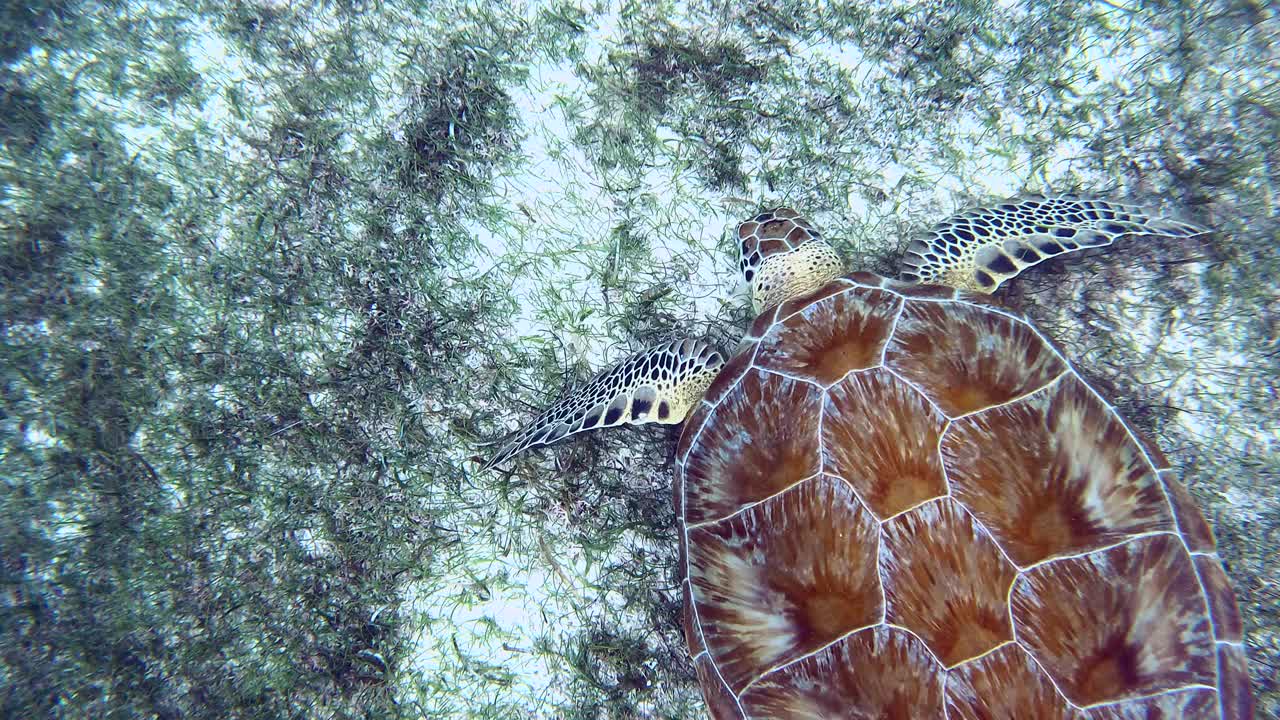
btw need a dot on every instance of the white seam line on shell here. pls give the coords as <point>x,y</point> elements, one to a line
<point>795,378</point>
<point>946,709</point>
<point>990,536</point>
<point>942,463</point>
<point>843,637</point>
<point>984,653</point>
<point>1168,499</point>
<point>1085,553</point>
<point>707,649</point>
<point>1017,573</point>
<point>1208,606</point>
<point>693,602</point>
<point>1027,650</point>
<point>1233,643</point>
<point>917,388</point>
<point>884,594</point>
<point>946,675</point>
<point>714,406</point>
<point>893,328</point>
<point>1170,691</point>
<point>754,503</point>
<point>1013,400</point>
<point>851,373</point>
<point>1003,313</point>
<point>922,503</point>
<point>923,644</point>
<point>822,444</point>
<point>854,491</point>
<point>1199,553</point>
<point>1008,606</point>
<point>778,320</point>
<point>783,666</point>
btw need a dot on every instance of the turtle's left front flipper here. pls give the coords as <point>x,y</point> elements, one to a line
<point>660,385</point>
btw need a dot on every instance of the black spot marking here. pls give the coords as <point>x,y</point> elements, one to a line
<point>1002,265</point>
<point>1026,254</point>
<point>664,410</point>
<point>639,408</point>
<point>1113,228</point>
<point>984,280</point>
<point>612,415</point>
<point>591,421</point>
<point>1050,248</point>
<point>963,234</point>
<point>1065,232</point>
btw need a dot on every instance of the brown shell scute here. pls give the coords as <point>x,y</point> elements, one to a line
<point>875,673</point>
<point>1222,602</point>
<point>784,578</point>
<point>882,438</point>
<point>966,358</point>
<point>1125,622</point>
<point>1054,473</point>
<point>828,339</point>
<point>722,703</point>
<point>1195,531</point>
<point>1190,704</point>
<point>733,468</point>
<point>1003,684</point>
<point>897,500</point>
<point>1233,683</point>
<point>947,580</point>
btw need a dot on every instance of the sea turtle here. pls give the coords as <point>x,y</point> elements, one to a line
<point>899,500</point>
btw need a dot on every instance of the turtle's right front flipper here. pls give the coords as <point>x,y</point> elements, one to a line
<point>660,385</point>
<point>980,249</point>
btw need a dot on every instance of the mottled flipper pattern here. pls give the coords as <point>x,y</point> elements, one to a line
<point>658,385</point>
<point>980,249</point>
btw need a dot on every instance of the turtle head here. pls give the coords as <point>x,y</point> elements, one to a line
<point>783,256</point>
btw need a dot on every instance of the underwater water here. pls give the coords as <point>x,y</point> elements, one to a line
<point>275,276</point>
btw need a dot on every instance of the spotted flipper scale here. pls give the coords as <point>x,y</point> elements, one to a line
<point>783,256</point>
<point>659,385</point>
<point>980,249</point>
